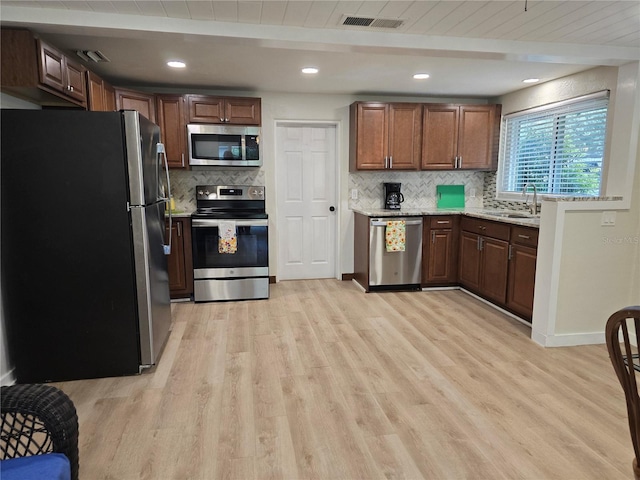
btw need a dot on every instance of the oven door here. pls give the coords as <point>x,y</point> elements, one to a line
<point>222,275</point>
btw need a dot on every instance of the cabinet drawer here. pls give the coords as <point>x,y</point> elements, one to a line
<point>441,222</point>
<point>486,228</point>
<point>525,236</point>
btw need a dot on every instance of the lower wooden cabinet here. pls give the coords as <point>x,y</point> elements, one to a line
<point>522,271</point>
<point>180,261</point>
<point>484,258</point>
<point>440,250</point>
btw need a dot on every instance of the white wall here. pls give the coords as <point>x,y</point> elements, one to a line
<point>587,271</point>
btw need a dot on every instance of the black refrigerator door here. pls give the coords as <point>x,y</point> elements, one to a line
<point>68,285</point>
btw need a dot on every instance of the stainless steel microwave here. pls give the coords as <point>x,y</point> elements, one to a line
<point>224,145</point>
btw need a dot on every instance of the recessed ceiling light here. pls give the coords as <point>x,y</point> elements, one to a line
<point>421,76</point>
<point>310,70</point>
<point>530,80</point>
<point>176,64</point>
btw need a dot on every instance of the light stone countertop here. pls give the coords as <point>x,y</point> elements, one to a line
<point>179,214</point>
<point>484,213</point>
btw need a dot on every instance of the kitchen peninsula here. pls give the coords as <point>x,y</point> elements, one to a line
<point>491,253</point>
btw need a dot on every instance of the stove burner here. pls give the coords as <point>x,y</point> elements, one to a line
<point>230,202</point>
<point>214,213</point>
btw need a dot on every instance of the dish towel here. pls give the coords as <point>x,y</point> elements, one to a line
<point>395,235</point>
<point>228,240</point>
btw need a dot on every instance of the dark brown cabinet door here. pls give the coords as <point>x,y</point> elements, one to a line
<point>179,263</point>
<point>205,109</point>
<point>522,275</point>
<point>101,96</point>
<point>440,250</point>
<point>385,136</point>
<point>469,261</point>
<point>145,103</point>
<point>95,93</point>
<point>232,110</point>
<point>109,97</point>
<point>170,111</point>
<point>75,75</point>
<point>440,144</point>
<point>243,111</point>
<point>460,137</point>
<point>62,74</point>
<point>475,137</point>
<point>494,268</point>
<point>369,139</point>
<point>405,136</point>
<point>51,67</point>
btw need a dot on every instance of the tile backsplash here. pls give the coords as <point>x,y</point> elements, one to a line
<point>418,188</point>
<point>184,182</point>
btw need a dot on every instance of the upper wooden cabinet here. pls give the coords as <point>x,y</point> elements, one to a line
<point>62,74</point>
<point>171,119</point>
<point>385,136</point>
<point>34,70</point>
<point>460,137</point>
<point>232,110</point>
<point>100,94</point>
<point>145,103</point>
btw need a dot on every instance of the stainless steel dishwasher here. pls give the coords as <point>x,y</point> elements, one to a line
<point>388,270</point>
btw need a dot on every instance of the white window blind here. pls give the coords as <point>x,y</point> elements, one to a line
<point>558,147</point>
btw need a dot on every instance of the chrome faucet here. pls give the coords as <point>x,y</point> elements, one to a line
<point>534,205</point>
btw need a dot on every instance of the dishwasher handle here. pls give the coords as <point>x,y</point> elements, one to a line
<point>383,223</point>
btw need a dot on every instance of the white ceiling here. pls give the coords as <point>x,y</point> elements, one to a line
<point>470,48</point>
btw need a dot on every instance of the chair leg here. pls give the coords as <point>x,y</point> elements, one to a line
<point>636,469</point>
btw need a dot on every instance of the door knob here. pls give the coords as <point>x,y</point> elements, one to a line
<point>332,208</point>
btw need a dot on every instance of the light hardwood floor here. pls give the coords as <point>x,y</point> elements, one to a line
<point>323,381</point>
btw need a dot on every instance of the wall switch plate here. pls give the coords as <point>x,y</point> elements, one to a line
<point>354,194</point>
<point>608,219</point>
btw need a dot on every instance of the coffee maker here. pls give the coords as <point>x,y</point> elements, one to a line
<point>392,196</point>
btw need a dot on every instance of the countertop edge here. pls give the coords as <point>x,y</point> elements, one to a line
<point>485,214</point>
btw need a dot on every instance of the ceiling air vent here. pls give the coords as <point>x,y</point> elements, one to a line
<point>92,56</point>
<point>351,21</point>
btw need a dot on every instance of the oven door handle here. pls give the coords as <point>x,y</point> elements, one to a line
<point>211,222</point>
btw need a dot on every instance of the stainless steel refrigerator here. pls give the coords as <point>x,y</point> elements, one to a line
<point>85,288</point>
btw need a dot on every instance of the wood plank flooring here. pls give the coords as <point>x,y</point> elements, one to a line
<point>323,381</point>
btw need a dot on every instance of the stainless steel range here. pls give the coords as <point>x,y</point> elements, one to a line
<point>230,243</point>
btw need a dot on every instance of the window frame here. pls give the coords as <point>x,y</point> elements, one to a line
<point>531,112</point>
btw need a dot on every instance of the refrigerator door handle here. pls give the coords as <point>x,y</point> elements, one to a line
<point>161,152</point>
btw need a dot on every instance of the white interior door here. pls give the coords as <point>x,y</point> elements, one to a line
<point>306,201</point>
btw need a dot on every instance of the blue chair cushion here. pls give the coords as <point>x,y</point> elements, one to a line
<point>53,466</point>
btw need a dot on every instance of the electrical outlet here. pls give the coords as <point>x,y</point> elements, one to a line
<point>354,194</point>
<point>608,219</point>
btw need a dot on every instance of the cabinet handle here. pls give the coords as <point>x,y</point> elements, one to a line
<point>433,236</point>
<point>510,252</point>
<point>526,237</point>
<point>478,243</point>
<point>442,221</point>
<point>183,159</point>
<point>179,225</point>
<point>481,243</point>
<point>455,162</point>
<point>386,162</point>
<point>391,162</point>
<point>460,161</point>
